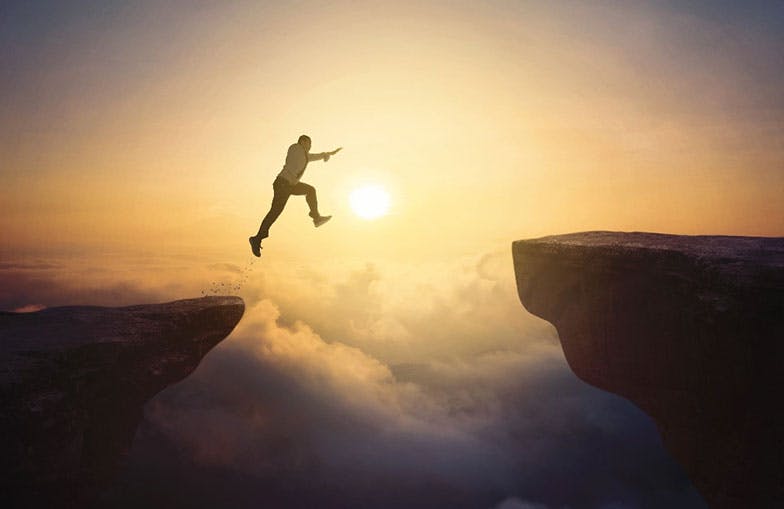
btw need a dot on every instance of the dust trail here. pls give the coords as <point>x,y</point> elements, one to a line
<point>233,285</point>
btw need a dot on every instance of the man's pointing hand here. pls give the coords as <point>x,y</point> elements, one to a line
<point>329,154</point>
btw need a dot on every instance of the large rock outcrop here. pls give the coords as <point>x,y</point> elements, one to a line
<point>691,329</point>
<point>73,383</point>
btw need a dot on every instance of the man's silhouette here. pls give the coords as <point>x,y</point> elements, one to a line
<point>288,183</point>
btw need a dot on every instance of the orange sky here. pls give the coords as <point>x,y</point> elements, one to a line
<point>162,129</point>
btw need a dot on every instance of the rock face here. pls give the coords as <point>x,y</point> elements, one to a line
<point>691,329</point>
<point>73,383</point>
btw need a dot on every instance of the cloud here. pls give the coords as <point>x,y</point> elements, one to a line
<point>399,313</point>
<point>114,281</point>
<point>471,403</point>
<point>21,288</point>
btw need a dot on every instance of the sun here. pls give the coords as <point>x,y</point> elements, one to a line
<point>369,202</point>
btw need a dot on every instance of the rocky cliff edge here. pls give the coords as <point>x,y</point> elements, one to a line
<point>73,383</point>
<point>690,329</point>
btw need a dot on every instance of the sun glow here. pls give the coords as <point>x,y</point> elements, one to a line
<point>369,202</point>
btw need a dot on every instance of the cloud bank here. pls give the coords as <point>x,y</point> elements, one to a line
<point>374,386</point>
<point>370,385</point>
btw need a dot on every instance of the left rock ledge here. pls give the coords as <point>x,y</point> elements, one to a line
<point>74,381</point>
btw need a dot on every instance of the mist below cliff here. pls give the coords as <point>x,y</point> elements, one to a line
<point>376,385</point>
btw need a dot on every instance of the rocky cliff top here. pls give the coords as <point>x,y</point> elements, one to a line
<point>749,260</point>
<point>28,339</point>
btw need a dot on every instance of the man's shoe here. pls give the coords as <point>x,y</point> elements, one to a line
<point>318,221</point>
<point>255,245</point>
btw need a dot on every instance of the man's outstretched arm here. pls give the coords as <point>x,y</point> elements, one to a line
<point>323,155</point>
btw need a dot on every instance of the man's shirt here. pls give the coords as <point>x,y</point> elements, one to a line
<point>296,162</point>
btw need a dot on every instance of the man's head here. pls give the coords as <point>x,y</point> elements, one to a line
<point>304,140</point>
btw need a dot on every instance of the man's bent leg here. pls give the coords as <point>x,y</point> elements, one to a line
<point>310,197</point>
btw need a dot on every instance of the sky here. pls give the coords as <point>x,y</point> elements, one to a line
<point>389,359</point>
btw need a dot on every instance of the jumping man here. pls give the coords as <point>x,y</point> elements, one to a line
<point>288,183</point>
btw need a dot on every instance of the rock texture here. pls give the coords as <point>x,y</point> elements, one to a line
<point>73,383</point>
<point>691,329</point>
